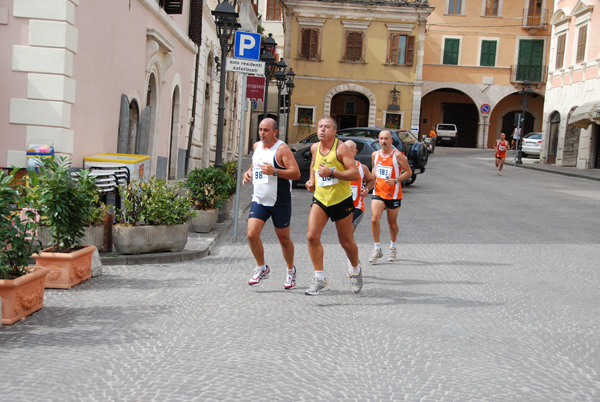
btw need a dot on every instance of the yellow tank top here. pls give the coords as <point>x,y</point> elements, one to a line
<point>330,191</point>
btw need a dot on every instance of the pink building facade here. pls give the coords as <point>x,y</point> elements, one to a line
<point>572,104</point>
<point>92,77</point>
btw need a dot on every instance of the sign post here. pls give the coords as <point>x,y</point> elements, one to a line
<point>485,111</point>
<point>247,53</point>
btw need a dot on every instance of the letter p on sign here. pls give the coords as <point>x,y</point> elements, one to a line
<point>247,45</point>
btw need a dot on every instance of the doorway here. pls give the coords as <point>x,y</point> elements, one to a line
<point>553,138</point>
<point>350,109</point>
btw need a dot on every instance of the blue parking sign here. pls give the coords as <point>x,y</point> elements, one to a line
<point>247,45</point>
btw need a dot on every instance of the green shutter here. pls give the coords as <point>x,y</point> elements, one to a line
<point>530,60</point>
<point>488,53</point>
<point>451,51</point>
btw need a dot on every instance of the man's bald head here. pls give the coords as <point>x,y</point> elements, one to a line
<point>352,145</point>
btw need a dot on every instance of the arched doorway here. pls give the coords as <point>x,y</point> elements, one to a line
<point>350,109</point>
<point>570,144</point>
<point>553,137</point>
<point>134,116</point>
<point>448,105</point>
<point>511,120</point>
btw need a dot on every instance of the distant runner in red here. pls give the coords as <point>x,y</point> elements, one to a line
<point>501,146</point>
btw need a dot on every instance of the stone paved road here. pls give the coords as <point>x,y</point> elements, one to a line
<point>485,304</point>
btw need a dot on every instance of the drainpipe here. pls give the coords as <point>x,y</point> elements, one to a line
<point>193,120</point>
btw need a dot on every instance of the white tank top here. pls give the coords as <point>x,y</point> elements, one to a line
<point>269,190</point>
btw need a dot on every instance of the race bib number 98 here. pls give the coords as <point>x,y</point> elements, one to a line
<point>258,176</point>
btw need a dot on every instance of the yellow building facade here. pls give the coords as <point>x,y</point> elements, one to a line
<point>480,57</point>
<point>359,62</point>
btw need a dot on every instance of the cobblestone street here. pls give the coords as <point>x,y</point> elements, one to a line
<point>494,298</point>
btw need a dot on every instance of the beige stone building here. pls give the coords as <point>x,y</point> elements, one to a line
<point>359,61</point>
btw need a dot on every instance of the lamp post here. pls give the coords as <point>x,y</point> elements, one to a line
<point>288,100</point>
<point>226,21</point>
<point>526,91</point>
<point>280,77</point>
<point>267,50</point>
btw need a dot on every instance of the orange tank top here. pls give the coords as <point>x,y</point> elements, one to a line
<point>387,168</point>
<point>356,186</point>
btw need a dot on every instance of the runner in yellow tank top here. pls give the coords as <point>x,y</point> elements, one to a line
<point>332,170</point>
<point>330,190</point>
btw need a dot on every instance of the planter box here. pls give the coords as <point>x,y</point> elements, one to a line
<point>149,239</point>
<point>22,296</point>
<point>93,236</point>
<point>204,220</point>
<point>66,269</point>
<point>225,210</point>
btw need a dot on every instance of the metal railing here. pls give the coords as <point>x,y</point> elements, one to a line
<point>533,74</point>
<point>535,19</point>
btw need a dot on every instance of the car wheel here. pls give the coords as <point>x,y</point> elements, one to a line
<point>412,179</point>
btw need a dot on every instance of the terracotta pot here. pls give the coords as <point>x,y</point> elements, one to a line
<point>22,296</point>
<point>149,239</point>
<point>204,220</point>
<point>66,269</point>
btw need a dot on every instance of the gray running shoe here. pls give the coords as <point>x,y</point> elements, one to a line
<point>357,280</point>
<point>377,254</point>
<point>392,256</point>
<point>316,286</point>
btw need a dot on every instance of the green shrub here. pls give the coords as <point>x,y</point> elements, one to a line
<point>16,234</point>
<point>153,202</point>
<point>209,187</point>
<point>230,167</point>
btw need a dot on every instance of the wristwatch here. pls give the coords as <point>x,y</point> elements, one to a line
<point>331,174</point>
<point>396,180</point>
<point>275,172</point>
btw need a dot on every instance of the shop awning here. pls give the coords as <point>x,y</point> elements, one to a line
<point>585,115</point>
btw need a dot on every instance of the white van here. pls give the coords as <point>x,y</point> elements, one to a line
<point>447,132</point>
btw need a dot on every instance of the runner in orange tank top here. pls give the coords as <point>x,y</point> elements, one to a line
<point>360,188</point>
<point>390,168</point>
<point>501,146</point>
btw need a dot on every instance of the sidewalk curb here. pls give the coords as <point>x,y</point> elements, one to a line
<point>211,241</point>
<point>560,172</point>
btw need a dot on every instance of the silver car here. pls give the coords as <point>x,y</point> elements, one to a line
<point>532,144</point>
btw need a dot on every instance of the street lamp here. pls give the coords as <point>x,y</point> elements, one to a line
<point>525,92</point>
<point>280,77</point>
<point>288,101</point>
<point>267,50</point>
<point>226,21</point>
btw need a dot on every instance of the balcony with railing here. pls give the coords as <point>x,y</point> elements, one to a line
<point>534,74</point>
<point>537,18</point>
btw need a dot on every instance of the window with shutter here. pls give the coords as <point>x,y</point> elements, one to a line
<point>488,53</point>
<point>309,48</point>
<point>172,6</point>
<point>451,47</point>
<point>454,6</point>
<point>581,41</point>
<point>354,46</point>
<point>401,49</point>
<point>273,10</point>
<point>560,50</point>
<point>195,32</point>
<point>491,8</point>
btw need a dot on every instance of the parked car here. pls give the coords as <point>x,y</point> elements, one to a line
<point>364,146</point>
<point>446,132</point>
<point>532,144</point>
<point>403,140</point>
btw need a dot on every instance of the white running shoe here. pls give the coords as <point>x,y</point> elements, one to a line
<point>377,254</point>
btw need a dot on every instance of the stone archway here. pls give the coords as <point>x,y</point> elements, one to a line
<point>352,88</point>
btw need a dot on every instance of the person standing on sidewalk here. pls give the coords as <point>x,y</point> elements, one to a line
<point>332,169</point>
<point>390,168</point>
<point>501,146</point>
<point>272,171</point>
<point>360,188</point>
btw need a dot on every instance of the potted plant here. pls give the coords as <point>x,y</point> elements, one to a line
<point>21,286</point>
<point>209,187</point>
<point>153,218</point>
<point>230,168</point>
<point>67,203</point>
